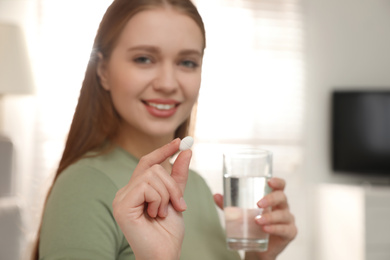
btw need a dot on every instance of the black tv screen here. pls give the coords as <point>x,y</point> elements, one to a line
<point>361,132</point>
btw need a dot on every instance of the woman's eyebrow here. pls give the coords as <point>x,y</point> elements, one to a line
<point>147,48</point>
<point>154,49</point>
<point>190,52</point>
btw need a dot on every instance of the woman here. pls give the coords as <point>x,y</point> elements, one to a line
<point>116,195</point>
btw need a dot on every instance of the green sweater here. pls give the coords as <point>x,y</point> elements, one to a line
<point>78,222</point>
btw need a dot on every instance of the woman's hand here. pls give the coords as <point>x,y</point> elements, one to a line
<point>279,222</point>
<point>148,209</point>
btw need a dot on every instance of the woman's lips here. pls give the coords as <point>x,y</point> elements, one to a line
<point>161,107</point>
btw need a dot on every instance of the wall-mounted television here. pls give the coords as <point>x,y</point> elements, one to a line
<point>361,132</point>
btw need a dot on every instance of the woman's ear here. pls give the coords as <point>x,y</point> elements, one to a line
<point>102,71</point>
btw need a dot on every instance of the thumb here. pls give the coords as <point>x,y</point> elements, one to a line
<point>180,168</point>
<point>218,199</point>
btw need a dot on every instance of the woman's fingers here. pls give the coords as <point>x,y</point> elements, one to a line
<point>130,203</point>
<point>280,221</point>
<point>173,186</point>
<point>277,183</point>
<point>152,186</point>
<point>161,183</point>
<point>287,232</point>
<point>149,167</point>
<point>153,198</point>
<point>171,189</point>
<point>157,156</point>
<point>275,199</point>
<point>166,187</point>
<point>275,217</point>
<point>180,169</point>
<point>156,188</point>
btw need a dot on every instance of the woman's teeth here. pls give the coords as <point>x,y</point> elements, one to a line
<point>162,106</point>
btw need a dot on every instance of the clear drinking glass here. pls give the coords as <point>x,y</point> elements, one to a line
<point>245,182</point>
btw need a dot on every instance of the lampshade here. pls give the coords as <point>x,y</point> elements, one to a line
<point>15,68</point>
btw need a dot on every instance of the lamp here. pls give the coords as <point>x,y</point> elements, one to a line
<point>15,69</point>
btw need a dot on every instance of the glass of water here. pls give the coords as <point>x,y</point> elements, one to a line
<point>245,182</point>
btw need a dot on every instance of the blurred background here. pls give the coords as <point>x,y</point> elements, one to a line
<point>270,70</point>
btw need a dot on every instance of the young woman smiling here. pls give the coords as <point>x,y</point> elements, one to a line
<point>116,195</point>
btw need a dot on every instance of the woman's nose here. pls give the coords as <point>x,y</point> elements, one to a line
<point>166,78</point>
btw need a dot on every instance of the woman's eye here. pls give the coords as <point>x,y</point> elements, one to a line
<point>189,64</point>
<point>143,60</point>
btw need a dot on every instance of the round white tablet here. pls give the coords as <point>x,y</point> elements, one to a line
<point>186,143</point>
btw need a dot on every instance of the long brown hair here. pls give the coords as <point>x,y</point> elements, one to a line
<point>96,122</point>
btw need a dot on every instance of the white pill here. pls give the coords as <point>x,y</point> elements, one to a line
<point>186,143</point>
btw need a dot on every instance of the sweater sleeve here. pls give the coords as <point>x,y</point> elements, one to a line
<point>78,222</point>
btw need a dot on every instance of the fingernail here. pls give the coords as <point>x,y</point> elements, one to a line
<point>183,204</point>
<point>260,220</point>
<point>262,203</point>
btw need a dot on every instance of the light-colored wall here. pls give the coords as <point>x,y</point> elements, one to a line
<point>348,46</point>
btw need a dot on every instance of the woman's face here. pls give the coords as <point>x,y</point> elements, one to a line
<point>154,72</point>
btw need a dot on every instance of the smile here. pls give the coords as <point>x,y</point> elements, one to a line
<point>161,106</point>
